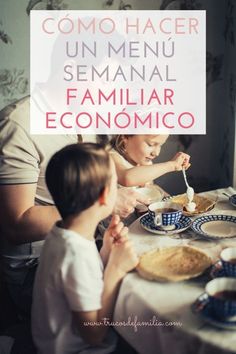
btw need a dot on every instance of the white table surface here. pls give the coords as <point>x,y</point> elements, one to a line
<point>140,300</point>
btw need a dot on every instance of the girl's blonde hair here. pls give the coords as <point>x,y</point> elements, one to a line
<point>118,144</point>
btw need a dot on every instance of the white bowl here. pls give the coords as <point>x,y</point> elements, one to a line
<point>153,193</point>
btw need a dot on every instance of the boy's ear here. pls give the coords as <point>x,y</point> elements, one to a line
<point>103,196</point>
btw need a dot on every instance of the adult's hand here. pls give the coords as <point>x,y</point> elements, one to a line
<point>127,199</point>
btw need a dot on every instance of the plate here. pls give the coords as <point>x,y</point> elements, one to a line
<point>203,204</point>
<point>203,307</point>
<point>215,226</point>
<point>147,223</point>
<point>217,271</point>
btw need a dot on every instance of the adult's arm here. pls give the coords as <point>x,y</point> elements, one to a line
<point>20,220</point>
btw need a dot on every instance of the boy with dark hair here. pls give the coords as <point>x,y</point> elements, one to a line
<point>75,286</point>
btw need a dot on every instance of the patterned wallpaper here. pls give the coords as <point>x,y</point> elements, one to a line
<point>213,154</point>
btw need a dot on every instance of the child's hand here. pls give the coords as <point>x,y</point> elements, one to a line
<point>115,233</point>
<point>123,258</point>
<point>181,160</point>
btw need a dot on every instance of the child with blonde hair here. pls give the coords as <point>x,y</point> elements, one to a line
<point>134,159</point>
<point>75,286</point>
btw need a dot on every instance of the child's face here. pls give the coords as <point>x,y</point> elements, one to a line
<point>142,149</point>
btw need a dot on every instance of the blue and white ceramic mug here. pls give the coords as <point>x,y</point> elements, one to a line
<point>232,200</point>
<point>165,214</point>
<point>222,297</point>
<point>228,260</point>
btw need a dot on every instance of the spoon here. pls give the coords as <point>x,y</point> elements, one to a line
<point>227,195</point>
<point>191,206</point>
<point>190,190</point>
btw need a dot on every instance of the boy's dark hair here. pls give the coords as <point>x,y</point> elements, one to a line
<point>76,176</point>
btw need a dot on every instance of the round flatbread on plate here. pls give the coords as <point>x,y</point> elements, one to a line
<point>203,204</point>
<point>173,263</point>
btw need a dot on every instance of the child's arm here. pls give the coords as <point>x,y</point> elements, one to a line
<point>139,175</point>
<point>122,260</point>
